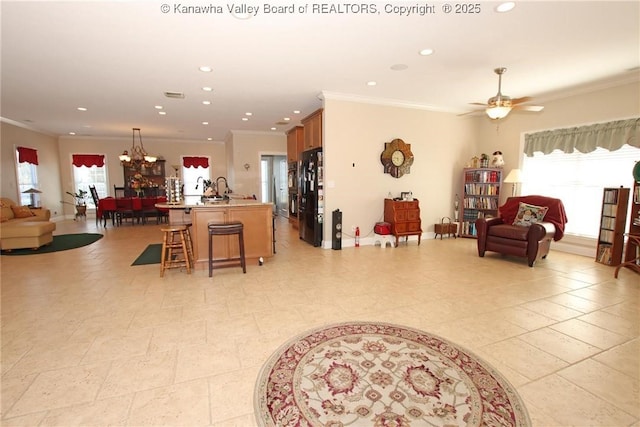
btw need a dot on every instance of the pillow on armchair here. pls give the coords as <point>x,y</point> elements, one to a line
<point>21,212</point>
<point>529,214</point>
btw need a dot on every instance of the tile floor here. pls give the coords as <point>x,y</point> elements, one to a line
<point>88,340</point>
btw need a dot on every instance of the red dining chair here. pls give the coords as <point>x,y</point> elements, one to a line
<point>124,209</point>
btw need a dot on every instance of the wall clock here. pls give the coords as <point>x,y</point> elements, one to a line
<point>397,158</point>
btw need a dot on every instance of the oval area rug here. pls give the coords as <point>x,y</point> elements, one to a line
<point>377,374</point>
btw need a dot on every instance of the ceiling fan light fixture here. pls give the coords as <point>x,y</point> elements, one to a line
<point>497,112</point>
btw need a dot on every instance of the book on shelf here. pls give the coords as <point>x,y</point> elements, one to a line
<point>606,236</point>
<point>481,176</point>
<point>604,254</point>
<point>609,210</point>
<point>611,196</point>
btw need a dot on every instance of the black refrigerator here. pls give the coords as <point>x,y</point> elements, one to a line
<point>311,209</point>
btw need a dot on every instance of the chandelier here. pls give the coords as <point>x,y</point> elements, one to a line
<point>138,157</point>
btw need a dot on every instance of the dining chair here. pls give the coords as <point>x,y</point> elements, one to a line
<point>96,201</point>
<point>119,192</point>
<point>124,209</point>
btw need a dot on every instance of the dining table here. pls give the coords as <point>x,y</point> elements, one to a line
<point>136,208</point>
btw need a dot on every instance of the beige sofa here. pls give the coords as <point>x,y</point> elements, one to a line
<point>21,227</point>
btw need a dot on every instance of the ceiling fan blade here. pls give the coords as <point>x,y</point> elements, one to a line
<point>478,103</point>
<point>469,112</point>
<point>516,101</point>
<point>528,107</point>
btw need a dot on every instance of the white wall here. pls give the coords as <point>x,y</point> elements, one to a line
<point>247,148</point>
<point>354,137</point>
<point>12,136</point>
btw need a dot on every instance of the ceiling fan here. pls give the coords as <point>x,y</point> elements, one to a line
<point>499,106</point>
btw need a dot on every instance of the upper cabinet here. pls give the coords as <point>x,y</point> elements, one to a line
<point>313,130</point>
<point>153,176</point>
<point>295,143</point>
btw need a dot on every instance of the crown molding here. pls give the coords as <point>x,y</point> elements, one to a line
<point>629,77</point>
<point>26,126</point>
<point>383,101</point>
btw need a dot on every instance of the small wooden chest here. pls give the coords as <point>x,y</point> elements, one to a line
<point>446,227</point>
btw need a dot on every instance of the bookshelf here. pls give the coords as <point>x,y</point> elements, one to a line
<point>632,250</point>
<point>481,197</point>
<point>613,219</point>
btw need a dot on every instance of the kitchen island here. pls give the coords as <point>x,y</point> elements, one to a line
<point>257,218</point>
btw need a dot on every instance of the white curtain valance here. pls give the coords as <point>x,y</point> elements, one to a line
<point>585,139</point>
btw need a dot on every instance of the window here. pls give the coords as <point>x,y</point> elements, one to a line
<point>194,168</point>
<point>578,180</point>
<point>90,169</point>
<point>27,170</point>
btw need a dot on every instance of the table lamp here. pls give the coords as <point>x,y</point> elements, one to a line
<point>514,177</point>
<point>32,192</point>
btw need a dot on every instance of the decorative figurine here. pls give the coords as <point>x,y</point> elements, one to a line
<point>497,161</point>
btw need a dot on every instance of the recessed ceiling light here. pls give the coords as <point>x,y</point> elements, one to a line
<point>505,7</point>
<point>209,139</point>
<point>206,102</point>
<point>205,69</point>
<point>158,107</point>
<point>248,114</point>
<point>296,111</point>
<point>426,52</point>
<point>274,128</point>
<point>72,133</point>
<point>205,123</point>
<point>371,83</point>
<point>82,109</point>
<point>245,119</point>
<point>207,89</point>
<point>287,119</point>
<point>162,113</point>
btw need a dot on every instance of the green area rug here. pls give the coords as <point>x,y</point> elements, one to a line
<point>60,243</point>
<point>151,255</point>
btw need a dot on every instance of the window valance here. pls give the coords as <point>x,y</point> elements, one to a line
<point>88,160</point>
<point>585,139</point>
<point>27,155</point>
<point>195,162</point>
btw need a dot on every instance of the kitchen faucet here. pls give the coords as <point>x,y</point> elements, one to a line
<point>227,190</point>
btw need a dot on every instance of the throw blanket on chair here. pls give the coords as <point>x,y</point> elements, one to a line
<point>555,215</point>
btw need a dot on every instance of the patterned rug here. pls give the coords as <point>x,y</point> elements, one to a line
<point>373,374</point>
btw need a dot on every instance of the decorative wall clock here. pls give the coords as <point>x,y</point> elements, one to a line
<point>397,158</point>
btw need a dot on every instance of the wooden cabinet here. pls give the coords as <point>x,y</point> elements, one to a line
<point>313,130</point>
<point>295,143</point>
<point>481,197</point>
<point>632,250</point>
<point>154,175</point>
<point>404,217</point>
<point>613,219</point>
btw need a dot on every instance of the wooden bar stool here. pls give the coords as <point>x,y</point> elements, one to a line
<point>226,229</point>
<point>175,252</point>
<point>186,223</point>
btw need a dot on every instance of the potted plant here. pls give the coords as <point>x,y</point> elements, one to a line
<point>80,202</point>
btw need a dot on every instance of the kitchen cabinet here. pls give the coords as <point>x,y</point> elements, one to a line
<point>313,130</point>
<point>295,143</point>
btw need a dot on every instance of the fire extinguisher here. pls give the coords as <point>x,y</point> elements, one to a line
<point>357,237</point>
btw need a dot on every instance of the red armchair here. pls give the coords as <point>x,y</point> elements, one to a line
<point>532,242</point>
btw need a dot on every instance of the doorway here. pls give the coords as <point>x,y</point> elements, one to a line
<point>273,173</point>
